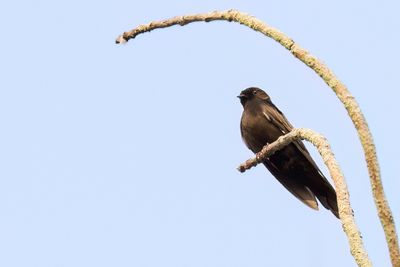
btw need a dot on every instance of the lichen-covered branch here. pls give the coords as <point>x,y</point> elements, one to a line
<point>327,75</point>
<point>345,212</point>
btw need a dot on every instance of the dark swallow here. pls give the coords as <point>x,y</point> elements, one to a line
<point>262,123</point>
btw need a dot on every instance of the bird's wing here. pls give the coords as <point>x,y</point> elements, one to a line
<point>279,120</point>
<point>300,191</point>
<point>328,199</point>
<point>296,187</point>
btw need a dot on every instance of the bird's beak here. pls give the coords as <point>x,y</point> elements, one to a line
<point>241,96</point>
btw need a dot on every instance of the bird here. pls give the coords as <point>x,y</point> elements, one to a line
<point>263,123</point>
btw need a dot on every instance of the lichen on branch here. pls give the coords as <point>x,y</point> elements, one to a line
<point>345,211</point>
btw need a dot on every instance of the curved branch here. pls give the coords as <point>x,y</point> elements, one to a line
<point>327,75</point>
<point>345,211</point>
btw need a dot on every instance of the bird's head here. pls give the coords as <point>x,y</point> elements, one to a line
<point>252,93</point>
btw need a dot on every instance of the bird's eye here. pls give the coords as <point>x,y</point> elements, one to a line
<point>254,92</point>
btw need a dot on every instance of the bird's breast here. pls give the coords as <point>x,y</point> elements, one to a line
<point>257,131</point>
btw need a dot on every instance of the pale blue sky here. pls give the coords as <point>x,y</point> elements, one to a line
<point>117,155</point>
